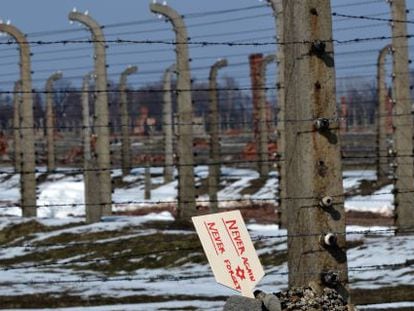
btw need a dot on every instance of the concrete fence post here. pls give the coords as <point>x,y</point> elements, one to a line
<point>125,138</point>
<point>27,174</point>
<point>382,148</point>
<point>263,141</point>
<point>316,234</point>
<point>93,207</point>
<point>402,120</point>
<point>101,110</point>
<point>214,165</point>
<point>17,106</point>
<point>186,187</point>
<point>147,180</point>
<point>50,124</point>
<point>167,125</point>
<point>278,14</point>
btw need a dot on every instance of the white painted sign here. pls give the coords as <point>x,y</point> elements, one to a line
<point>230,251</point>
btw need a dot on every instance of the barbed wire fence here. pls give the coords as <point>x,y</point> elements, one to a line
<point>155,158</point>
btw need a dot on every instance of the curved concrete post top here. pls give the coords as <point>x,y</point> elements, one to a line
<point>54,77</point>
<point>175,18</point>
<point>128,71</point>
<point>14,32</point>
<point>221,63</point>
<point>89,22</point>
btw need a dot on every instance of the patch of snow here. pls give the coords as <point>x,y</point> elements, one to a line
<point>12,252</point>
<point>116,173</point>
<point>268,191</point>
<point>352,179</point>
<point>151,306</point>
<point>390,306</point>
<point>110,223</point>
<point>377,250</point>
<point>130,178</point>
<point>54,222</point>
<point>380,202</point>
<point>7,221</point>
<point>267,229</point>
<point>381,251</point>
<point>10,189</point>
<point>63,198</point>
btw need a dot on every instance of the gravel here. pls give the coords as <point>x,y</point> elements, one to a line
<point>294,299</point>
<point>306,299</point>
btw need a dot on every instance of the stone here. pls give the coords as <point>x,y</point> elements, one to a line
<point>270,301</point>
<point>239,303</point>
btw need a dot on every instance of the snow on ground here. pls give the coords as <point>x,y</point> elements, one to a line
<point>51,222</point>
<point>391,306</point>
<point>269,190</point>
<point>110,223</point>
<point>10,184</point>
<point>352,179</point>
<point>239,179</point>
<point>62,195</point>
<point>379,249</point>
<point>67,192</point>
<point>380,202</point>
<point>168,305</point>
<point>7,221</point>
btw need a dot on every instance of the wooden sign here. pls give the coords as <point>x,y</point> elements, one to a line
<point>230,251</point>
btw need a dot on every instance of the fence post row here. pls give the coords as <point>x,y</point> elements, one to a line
<point>311,194</point>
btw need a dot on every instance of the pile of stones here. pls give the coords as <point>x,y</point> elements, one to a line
<point>296,299</point>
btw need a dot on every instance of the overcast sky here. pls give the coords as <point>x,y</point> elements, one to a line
<point>256,24</point>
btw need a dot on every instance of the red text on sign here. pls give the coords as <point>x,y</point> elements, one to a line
<point>232,274</point>
<point>234,233</point>
<point>248,268</point>
<point>215,236</point>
